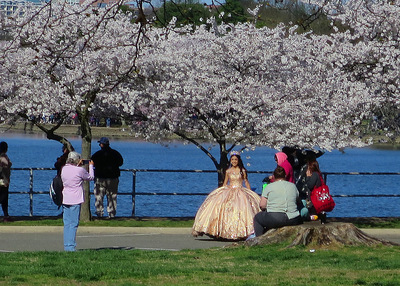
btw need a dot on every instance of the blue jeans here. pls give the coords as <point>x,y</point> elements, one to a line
<point>304,212</point>
<point>71,214</point>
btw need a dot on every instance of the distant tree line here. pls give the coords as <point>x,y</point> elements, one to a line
<point>308,17</point>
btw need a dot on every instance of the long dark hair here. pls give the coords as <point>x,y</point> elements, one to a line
<point>243,170</point>
<point>313,166</point>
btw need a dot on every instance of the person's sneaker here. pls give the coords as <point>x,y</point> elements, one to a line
<point>251,236</point>
<point>8,219</point>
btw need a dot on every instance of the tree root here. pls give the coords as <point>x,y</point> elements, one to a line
<point>329,235</point>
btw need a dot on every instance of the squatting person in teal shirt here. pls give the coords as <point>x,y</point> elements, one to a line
<point>279,204</point>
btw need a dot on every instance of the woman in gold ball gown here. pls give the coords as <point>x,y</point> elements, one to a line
<point>228,212</point>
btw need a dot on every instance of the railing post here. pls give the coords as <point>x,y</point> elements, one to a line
<point>31,192</point>
<point>133,192</point>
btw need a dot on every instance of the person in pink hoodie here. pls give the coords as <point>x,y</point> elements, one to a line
<point>73,176</point>
<point>282,160</point>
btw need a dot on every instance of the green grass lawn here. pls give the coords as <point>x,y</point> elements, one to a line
<point>234,265</point>
<point>260,265</point>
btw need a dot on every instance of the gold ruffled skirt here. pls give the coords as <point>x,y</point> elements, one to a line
<point>227,213</point>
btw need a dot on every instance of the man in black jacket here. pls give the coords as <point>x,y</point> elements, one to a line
<point>106,162</point>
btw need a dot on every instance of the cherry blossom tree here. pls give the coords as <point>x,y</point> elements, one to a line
<point>274,87</point>
<point>233,84</point>
<point>375,30</point>
<point>246,86</point>
<point>67,59</point>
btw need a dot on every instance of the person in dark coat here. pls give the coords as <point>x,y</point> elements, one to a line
<point>302,158</point>
<point>5,173</point>
<point>107,162</point>
<point>61,161</point>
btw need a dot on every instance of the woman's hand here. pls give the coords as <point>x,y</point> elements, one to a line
<point>85,161</point>
<point>263,203</point>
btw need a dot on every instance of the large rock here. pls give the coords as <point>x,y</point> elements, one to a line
<point>318,235</point>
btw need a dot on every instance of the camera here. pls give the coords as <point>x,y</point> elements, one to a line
<point>266,180</point>
<point>85,161</point>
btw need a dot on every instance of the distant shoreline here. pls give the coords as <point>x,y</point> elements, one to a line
<point>69,131</point>
<point>124,133</point>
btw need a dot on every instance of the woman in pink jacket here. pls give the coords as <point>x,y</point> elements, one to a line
<point>73,175</point>
<point>281,160</point>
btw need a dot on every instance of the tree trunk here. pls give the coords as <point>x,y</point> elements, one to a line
<point>86,136</point>
<point>315,235</point>
<point>223,163</point>
<point>85,210</point>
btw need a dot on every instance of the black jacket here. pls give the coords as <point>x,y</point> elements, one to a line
<point>106,163</point>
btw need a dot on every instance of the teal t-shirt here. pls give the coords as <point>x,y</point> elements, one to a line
<point>282,197</point>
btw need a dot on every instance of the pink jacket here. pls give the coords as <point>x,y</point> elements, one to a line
<point>73,177</point>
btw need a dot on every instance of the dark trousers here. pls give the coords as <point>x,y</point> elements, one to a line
<point>263,221</point>
<point>4,199</point>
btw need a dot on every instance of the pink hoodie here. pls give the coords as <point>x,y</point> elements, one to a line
<point>73,177</point>
<point>284,163</point>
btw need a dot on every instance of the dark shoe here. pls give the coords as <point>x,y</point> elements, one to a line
<point>8,219</point>
<point>323,218</point>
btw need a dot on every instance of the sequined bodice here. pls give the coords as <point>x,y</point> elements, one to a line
<point>235,178</point>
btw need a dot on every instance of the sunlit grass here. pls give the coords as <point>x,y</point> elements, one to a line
<point>260,265</point>
<point>388,223</point>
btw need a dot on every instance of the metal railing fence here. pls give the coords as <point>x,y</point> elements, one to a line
<point>134,193</point>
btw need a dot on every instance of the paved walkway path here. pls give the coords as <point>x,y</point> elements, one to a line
<point>50,238</point>
<point>37,238</point>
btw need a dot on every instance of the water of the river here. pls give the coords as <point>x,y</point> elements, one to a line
<point>38,152</point>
